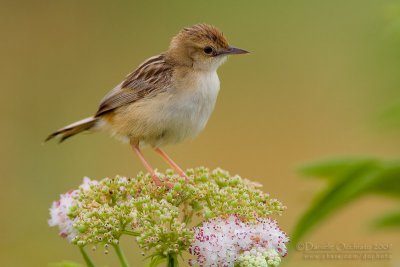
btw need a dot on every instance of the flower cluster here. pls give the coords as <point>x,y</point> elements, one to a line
<point>259,257</point>
<point>218,193</point>
<point>59,214</point>
<point>229,241</point>
<point>62,210</point>
<point>103,211</point>
<point>162,218</point>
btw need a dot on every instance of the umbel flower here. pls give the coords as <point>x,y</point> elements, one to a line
<point>62,210</point>
<point>59,214</point>
<point>235,231</point>
<point>222,241</point>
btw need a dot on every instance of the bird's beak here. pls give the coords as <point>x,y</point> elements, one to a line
<point>234,51</point>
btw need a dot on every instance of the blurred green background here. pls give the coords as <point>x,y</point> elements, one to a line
<point>318,75</point>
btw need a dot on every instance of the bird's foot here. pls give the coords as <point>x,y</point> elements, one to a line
<point>171,163</point>
<point>160,183</point>
<point>168,185</point>
<point>156,180</point>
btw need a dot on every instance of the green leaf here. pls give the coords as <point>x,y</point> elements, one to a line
<point>65,264</point>
<point>349,183</point>
<point>391,220</point>
<point>389,181</point>
<point>333,168</point>
<point>349,180</point>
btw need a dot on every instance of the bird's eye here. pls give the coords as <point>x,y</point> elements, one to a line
<point>208,50</point>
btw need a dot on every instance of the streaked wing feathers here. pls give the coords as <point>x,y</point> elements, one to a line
<point>150,78</point>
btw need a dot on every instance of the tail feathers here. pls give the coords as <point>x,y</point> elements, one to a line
<point>73,129</point>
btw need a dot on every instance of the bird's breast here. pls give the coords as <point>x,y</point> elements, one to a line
<point>191,105</point>
<point>171,116</point>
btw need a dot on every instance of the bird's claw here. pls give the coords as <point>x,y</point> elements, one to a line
<point>160,183</point>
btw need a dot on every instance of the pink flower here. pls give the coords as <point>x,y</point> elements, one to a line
<point>60,209</point>
<point>59,214</point>
<point>219,242</point>
<point>87,183</point>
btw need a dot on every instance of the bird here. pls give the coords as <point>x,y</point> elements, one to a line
<point>166,99</point>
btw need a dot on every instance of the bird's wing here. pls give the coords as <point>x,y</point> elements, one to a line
<point>150,78</point>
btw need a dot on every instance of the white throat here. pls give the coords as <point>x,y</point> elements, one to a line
<point>212,65</point>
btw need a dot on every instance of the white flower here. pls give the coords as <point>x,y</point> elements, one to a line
<point>59,214</point>
<point>220,242</point>
<point>87,183</point>
<point>59,211</point>
<point>259,257</point>
<point>270,235</point>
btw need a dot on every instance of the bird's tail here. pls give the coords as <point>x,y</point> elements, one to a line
<point>74,128</point>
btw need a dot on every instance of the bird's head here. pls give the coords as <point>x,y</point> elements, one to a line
<point>201,46</point>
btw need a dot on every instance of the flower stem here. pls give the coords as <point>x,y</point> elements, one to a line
<point>86,257</point>
<point>121,256</point>
<point>172,260</point>
<point>127,232</point>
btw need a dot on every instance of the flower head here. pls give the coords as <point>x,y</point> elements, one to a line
<point>221,241</point>
<point>104,210</point>
<point>259,257</point>
<point>220,194</point>
<point>60,214</point>
<point>160,218</point>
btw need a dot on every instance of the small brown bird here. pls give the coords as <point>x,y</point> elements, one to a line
<point>167,99</point>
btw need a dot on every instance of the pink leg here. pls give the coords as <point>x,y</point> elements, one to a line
<point>171,163</point>
<point>148,167</point>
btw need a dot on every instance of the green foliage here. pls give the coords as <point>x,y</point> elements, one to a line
<point>348,179</point>
<point>391,220</point>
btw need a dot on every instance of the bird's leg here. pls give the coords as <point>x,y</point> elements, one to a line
<point>171,163</point>
<point>147,165</point>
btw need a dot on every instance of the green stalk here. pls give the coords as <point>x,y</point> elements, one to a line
<point>121,256</point>
<point>172,260</point>
<point>86,257</point>
<point>127,232</point>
